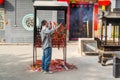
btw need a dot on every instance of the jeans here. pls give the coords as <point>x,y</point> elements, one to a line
<point>46,58</point>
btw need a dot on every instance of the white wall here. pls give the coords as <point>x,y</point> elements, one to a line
<point>113,4</point>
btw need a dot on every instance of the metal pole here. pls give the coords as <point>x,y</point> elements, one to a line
<point>102,31</point>
<point>114,34</point>
<point>15,12</point>
<point>119,35</point>
<point>34,34</point>
<point>103,19</point>
<point>105,33</point>
<point>65,49</point>
<point>87,29</point>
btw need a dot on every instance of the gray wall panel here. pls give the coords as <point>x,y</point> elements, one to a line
<point>19,34</point>
<point>117,3</point>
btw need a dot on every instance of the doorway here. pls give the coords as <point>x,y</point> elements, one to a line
<point>81,21</point>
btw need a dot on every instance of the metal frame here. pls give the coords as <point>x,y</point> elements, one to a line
<point>115,21</point>
<point>48,5</point>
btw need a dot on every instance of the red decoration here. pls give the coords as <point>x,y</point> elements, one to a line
<point>90,5</point>
<point>56,65</point>
<point>104,2</point>
<point>73,5</point>
<point>85,6</point>
<point>55,23</point>
<point>65,0</point>
<point>58,38</point>
<point>50,24</point>
<point>95,17</point>
<point>1,2</point>
<point>81,6</point>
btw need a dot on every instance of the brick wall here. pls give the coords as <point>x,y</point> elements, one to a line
<point>14,32</point>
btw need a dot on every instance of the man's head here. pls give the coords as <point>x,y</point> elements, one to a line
<point>44,23</point>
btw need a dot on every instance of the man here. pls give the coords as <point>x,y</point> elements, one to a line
<point>46,33</point>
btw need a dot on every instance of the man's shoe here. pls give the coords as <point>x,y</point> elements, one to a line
<point>47,72</point>
<point>50,72</point>
<point>42,71</point>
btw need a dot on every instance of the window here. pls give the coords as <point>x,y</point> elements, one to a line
<point>60,17</point>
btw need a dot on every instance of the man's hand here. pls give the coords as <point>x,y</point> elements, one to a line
<point>58,26</point>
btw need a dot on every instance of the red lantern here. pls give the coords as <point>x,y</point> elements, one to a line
<point>1,2</point>
<point>104,2</point>
<point>85,6</point>
<point>81,6</point>
<point>65,0</point>
<point>77,5</point>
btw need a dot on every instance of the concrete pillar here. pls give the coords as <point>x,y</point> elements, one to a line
<point>113,4</point>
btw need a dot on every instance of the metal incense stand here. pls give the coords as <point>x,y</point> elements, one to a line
<point>108,48</point>
<point>47,5</point>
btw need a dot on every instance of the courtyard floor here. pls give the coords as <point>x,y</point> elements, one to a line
<point>15,60</point>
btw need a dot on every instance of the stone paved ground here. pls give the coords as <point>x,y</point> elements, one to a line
<point>15,59</point>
